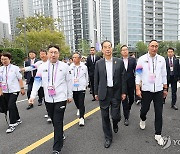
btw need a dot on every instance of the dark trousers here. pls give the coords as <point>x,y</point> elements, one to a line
<point>78,97</point>
<point>127,103</point>
<point>114,105</point>
<point>91,80</point>
<point>173,83</point>
<point>56,113</point>
<point>40,91</point>
<point>10,99</point>
<point>157,98</point>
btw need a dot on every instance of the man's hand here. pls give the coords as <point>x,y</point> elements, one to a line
<point>123,97</point>
<point>96,97</point>
<point>31,101</point>
<point>165,93</point>
<point>1,93</point>
<point>69,100</point>
<point>22,69</point>
<point>22,92</point>
<point>138,93</point>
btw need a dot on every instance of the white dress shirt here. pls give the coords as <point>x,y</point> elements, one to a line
<point>79,73</point>
<point>125,60</point>
<point>10,75</point>
<point>151,65</point>
<point>109,71</point>
<point>60,79</point>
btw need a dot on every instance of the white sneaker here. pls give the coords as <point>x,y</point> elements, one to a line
<point>45,116</point>
<point>81,122</point>
<point>10,129</point>
<point>77,112</point>
<point>142,124</point>
<point>159,139</point>
<point>49,120</point>
<point>18,122</point>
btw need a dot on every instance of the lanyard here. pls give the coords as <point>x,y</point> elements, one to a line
<point>7,71</point>
<point>57,63</point>
<point>78,72</point>
<point>152,63</point>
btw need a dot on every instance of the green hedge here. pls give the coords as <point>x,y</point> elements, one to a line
<point>18,55</point>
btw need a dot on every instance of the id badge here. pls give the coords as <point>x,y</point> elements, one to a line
<point>152,78</point>
<point>4,86</point>
<point>51,91</point>
<point>76,83</point>
<point>171,69</point>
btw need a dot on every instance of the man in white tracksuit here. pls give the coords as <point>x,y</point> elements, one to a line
<point>54,76</point>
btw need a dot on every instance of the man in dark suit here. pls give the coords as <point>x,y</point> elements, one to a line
<point>29,76</point>
<point>109,89</point>
<point>90,63</point>
<point>130,66</point>
<point>173,75</point>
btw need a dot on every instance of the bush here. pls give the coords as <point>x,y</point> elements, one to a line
<point>18,55</point>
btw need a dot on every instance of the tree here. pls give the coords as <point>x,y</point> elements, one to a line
<point>42,39</point>
<point>178,48</point>
<point>116,51</point>
<point>84,47</point>
<point>141,48</point>
<point>36,23</point>
<point>39,32</point>
<point>163,46</point>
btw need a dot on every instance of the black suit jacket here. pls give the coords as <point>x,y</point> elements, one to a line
<point>100,79</point>
<point>176,68</point>
<point>90,65</point>
<point>130,72</point>
<point>27,75</point>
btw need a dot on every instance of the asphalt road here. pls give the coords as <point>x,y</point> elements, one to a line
<point>89,139</point>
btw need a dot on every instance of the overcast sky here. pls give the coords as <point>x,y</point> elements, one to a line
<point>4,12</point>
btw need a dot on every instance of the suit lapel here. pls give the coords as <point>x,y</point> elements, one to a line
<point>104,67</point>
<point>114,65</point>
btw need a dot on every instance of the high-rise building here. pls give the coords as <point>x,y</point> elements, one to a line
<point>144,20</point>
<point>106,20</point>
<point>19,8</point>
<point>79,21</point>
<point>4,31</point>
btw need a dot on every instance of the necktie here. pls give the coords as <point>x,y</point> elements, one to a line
<point>171,66</point>
<point>93,59</point>
<point>32,62</point>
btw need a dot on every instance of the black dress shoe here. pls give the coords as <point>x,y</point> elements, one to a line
<point>93,100</point>
<point>126,122</point>
<point>40,103</point>
<point>107,143</point>
<point>115,128</point>
<point>174,107</point>
<point>30,106</point>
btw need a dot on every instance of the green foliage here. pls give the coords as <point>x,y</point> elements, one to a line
<point>36,23</point>
<point>39,32</point>
<point>116,50</point>
<point>141,48</point>
<point>84,47</point>
<point>17,55</point>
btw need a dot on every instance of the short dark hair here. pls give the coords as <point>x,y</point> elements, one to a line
<point>93,48</point>
<point>7,54</point>
<point>78,54</point>
<point>54,46</point>
<point>153,40</point>
<point>32,51</point>
<point>105,42</point>
<point>43,50</point>
<point>170,48</point>
<point>123,46</point>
